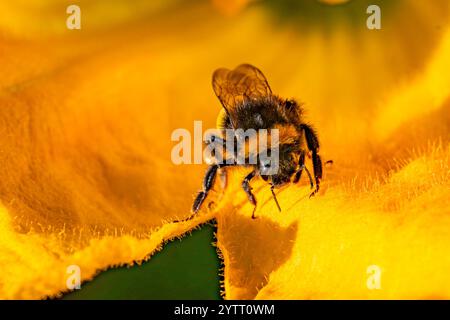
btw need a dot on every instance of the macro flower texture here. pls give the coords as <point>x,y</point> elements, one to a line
<point>86,117</point>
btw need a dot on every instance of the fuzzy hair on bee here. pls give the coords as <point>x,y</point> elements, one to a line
<point>249,104</point>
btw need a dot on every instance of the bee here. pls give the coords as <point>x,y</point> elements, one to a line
<point>248,103</point>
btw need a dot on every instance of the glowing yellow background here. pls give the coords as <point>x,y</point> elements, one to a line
<point>85,123</point>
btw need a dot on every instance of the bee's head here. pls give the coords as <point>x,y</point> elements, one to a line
<point>278,167</point>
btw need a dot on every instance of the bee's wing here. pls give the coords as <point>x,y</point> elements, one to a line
<point>233,87</point>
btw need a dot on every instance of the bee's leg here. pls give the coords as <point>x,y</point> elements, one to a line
<point>298,174</point>
<point>311,183</point>
<point>313,145</point>
<point>248,190</point>
<point>208,182</point>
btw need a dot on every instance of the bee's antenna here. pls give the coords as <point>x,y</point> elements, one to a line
<point>275,198</point>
